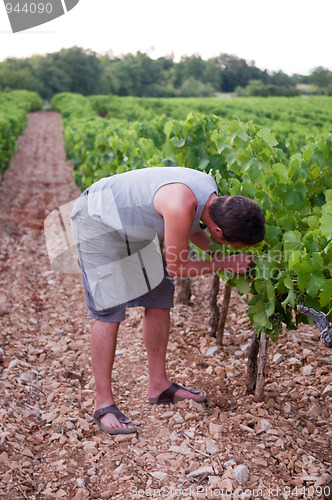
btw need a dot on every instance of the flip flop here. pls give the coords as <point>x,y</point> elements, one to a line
<point>169,397</point>
<point>98,414</point>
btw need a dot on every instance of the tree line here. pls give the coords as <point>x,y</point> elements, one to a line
<point>85,72</point>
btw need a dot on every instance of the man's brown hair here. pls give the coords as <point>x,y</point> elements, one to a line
<point>240,219</point>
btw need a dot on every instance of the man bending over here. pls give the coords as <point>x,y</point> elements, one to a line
<point>118,224</point>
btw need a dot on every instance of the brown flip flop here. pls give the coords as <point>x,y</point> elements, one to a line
<point>98,414</point>
<point>169,397</point>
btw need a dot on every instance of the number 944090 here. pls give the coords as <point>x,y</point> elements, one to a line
<point>29,8</point>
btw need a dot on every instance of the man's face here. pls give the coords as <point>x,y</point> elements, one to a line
<point>219,238</point>
<point>236,244</point>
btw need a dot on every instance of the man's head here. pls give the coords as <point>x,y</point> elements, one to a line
<point>240,219</point>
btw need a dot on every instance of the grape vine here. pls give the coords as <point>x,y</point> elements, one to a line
<point>14,107</point>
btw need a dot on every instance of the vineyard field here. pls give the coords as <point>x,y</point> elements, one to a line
<point>281,445</point>
<point>294,121</point>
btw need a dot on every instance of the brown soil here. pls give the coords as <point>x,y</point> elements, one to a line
<point>49,447</point>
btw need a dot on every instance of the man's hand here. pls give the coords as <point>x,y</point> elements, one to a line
<point>238,263</point>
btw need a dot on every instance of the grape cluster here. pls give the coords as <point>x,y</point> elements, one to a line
<point>299,297</point>
<point>276,322</point>
<point>251,272</point>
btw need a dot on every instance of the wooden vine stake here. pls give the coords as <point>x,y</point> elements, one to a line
<point>183,288</point>
<point>261,366</point>
<point>214,309</point>
<point>223,314</point>
<point>256,365</point>
<point>217,319</point>
<point>252,364</point>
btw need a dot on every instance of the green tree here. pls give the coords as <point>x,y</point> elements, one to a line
<point>282,79</point>
<point>194,67</point>
<point>139,75</point>
<point>321,77</point>
<point>241,91</point>
<point>126,70</point>
<point>70,70</point>
<point>237,72</point>
<point>19,74</point>
<point>150,74</point>
<point>195,88</point>
<point>256,88</point>
<point>83,69</point>
<point>54,77</point>
<point>212,74</point>
<point>109,83</point>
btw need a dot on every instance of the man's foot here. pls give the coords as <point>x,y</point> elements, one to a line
<point>112,421</point>
<point>175,393</point>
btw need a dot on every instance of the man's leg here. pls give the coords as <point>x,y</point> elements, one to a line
<point>103,344</point>
<point>156,332</point>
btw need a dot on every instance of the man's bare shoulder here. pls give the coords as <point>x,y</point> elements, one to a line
<point>175,196</point>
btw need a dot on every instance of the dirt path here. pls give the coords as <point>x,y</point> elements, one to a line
<point>49,447</point>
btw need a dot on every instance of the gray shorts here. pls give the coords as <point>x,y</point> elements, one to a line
<point>113,276</point>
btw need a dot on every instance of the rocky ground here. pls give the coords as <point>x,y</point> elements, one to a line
<point>232,448</point>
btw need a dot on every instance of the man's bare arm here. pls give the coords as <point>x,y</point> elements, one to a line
<point>176,248</point>
<point>177,205</point>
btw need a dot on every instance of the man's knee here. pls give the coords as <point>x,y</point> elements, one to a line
<point>110,327</point>
<point>157,312</point>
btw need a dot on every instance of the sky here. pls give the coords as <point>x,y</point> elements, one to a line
<point>294,36</point>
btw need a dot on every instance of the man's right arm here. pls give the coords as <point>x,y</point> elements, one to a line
<point>178,209</point>
<point>176,249</point>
